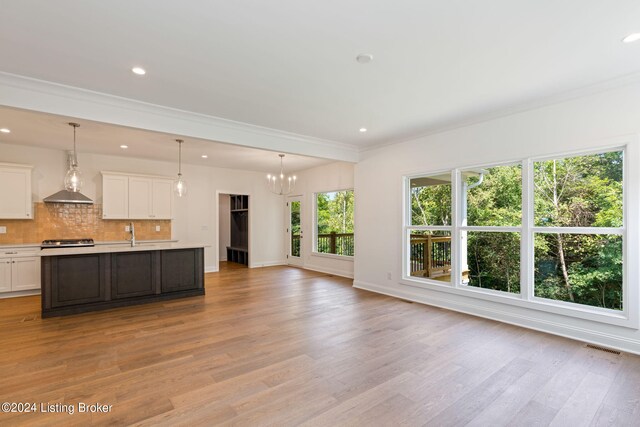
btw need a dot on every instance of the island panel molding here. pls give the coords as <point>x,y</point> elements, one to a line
<point>91,279</point>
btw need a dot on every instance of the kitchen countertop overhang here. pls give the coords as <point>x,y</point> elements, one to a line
<point>122,247</point>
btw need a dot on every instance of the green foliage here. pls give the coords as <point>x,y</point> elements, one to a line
<point>335,216</point>
<point>494,261</point>
<point>594,269</point>
<point>335,212</point>
<point>431,205</point>
<point>295,218</point>
<point>498,200</point>
<point>582,191</point>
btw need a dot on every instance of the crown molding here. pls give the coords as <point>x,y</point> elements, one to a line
<point>38,95</point>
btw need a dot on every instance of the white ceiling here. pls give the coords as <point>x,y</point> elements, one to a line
<point>51,131</point>
<point>290,64</point>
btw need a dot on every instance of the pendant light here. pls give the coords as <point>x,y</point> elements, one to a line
<point>73,178</point>
<point>281,184</point>
<point>180,185</point>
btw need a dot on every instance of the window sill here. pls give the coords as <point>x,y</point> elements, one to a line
<point>549,306</point>
<point>332,256</point>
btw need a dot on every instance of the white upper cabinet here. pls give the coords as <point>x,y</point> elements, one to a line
<point>136,196</point>
<point>140,197</point>
<point>15,191</point>
<point>115,196</point>
<point>162,197</point>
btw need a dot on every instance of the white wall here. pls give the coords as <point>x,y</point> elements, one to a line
<point>331,177</point>
<point>224,226</point>
<point>573,125</point>
<point>196,216</point>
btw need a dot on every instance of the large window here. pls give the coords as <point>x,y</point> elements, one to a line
<point>334,223</point>
<point>578,216</point>
<point>429,233</point>
<point>549,232</point>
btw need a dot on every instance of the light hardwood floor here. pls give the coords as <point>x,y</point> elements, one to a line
<point>283,346</point>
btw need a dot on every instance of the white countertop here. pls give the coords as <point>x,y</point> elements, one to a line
<point>120,247</point>
<point>19,245</point>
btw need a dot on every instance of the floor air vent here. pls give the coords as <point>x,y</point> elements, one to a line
<point>608,350</point>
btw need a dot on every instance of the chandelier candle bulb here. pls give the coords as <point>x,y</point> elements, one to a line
<point>283,186</point>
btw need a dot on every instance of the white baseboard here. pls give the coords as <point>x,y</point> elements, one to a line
<point>19,294</point>
<point>526,321</point>
<point>266,264</point>
<point>211,269</point>
<point>335,272</point>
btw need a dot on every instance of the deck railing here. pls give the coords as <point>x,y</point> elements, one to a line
<point>436,249</point>
<point>336,243</point>
<point>331,243</point>
<point>430,255</point>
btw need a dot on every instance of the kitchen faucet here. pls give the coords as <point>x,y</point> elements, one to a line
<point>133,235</point>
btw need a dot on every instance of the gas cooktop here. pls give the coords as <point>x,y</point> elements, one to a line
<point>66,243</point>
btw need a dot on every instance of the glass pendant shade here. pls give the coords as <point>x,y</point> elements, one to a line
<point>180,186</point>
<point>73,179</point>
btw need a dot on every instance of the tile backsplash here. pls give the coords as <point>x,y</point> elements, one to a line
<point>67,221</point>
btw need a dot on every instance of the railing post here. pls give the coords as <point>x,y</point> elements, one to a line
<point>332,243</point>
<point>427,261</point>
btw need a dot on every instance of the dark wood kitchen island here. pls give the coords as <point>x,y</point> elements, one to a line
<point>79,280</point>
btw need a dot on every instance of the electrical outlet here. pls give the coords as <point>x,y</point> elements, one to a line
<point>157,228</point>
<point>3,230</point>
<point>127,228</point>
<point>389,276</point>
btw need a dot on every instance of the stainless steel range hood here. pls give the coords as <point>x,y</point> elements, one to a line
<point>66,196</point>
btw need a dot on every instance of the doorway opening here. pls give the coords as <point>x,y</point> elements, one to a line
<point>234,228</point>
<point>294,231</point>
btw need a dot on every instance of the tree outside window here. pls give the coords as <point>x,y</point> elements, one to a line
<point>334,223</point>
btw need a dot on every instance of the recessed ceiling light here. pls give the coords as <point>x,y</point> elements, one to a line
<point>363,130</point>
<point>364,58</point>
<point>204,156</point>
<point>124,146</point>
<point>5,130</point>
<point>631,38</point>
<point>139,71</point>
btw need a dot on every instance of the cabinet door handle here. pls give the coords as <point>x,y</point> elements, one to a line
<point>11,253</point>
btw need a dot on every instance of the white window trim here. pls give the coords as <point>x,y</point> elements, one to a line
<point>314,230</point>
<point>334,256</point>
<point>628,317</point>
